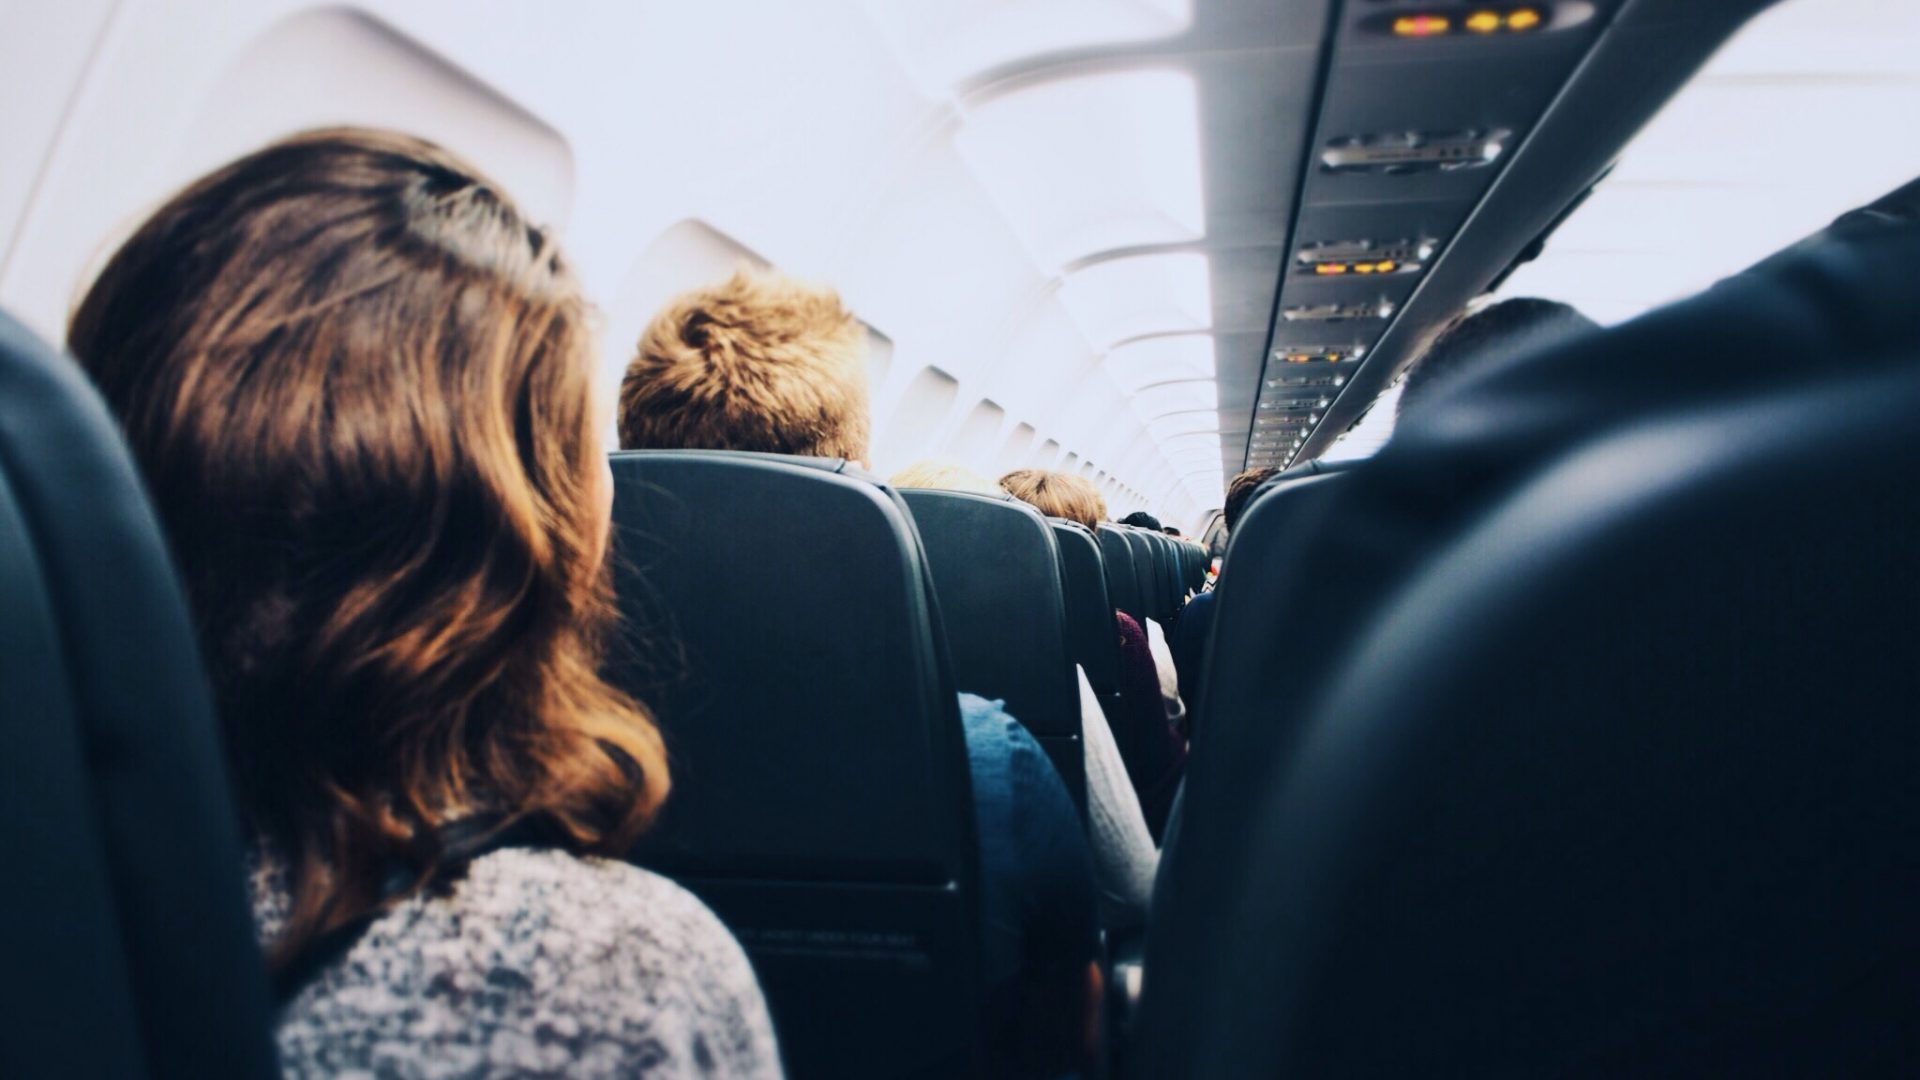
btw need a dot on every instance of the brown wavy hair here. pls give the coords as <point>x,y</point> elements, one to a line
<point>1058,494</point>
<point>359,384</point>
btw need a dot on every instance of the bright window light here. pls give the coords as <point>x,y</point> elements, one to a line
<point>944,42</point>
<point>1091,164</point>
<point>1142,294</point>
<point>1711,187</point>
<point>1153,360</point>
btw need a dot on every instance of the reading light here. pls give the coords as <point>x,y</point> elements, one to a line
<point>1524,19</point>
<point>1484,19</point>
<point>1419,26</point>
<point>1312,354</point>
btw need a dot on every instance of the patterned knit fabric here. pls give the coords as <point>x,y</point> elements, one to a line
<point>536,963</point>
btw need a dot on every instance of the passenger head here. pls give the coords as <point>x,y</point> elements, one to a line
<point>1142,520</point>
<point>942,476</point>
<point>758,362</point>
<point>359,385</point>
<point>1240,492</point>
<point>1499,329</point>
<point>1058,494</point>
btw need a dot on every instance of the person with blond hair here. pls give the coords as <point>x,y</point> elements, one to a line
<point>759,362</point>
<point>1077,499</point>
<point>1153,751</point>
<point>763,362</point>
<point>1058,494</point>
<point>942,476</point>
<point>323,356</point>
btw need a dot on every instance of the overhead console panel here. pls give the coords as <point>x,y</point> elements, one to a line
<point>1423,106</point>
<point>1426,109</point>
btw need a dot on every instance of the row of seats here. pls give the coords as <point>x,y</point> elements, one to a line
<point>812,612</point>
<point>1150,573</point>
<point>825,620</point>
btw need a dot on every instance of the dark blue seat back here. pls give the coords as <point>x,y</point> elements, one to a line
<point>1123,585</point>
<point>996,570</point>
<point>1093,641</point>
<point>1572,733</point>
<point>129,948</point>
<point>1196,565</point>
<point>1171,577</point>
<point>781,626</point>
<point>1146,574</point>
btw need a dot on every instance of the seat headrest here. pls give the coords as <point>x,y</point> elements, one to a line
<point>122,911</point>
<point>783,604</point>
<point>1623,783</point>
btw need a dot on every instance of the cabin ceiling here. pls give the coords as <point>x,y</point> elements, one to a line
<point>1076,223</point>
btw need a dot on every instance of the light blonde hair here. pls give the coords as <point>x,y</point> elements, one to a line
<point>757,362</point>
<point>1057,494</point>
<point>942,475</point>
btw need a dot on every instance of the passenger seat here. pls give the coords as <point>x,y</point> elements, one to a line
<point>781,626</point>
<point>127,941</point>
<point>1601,759</point>
<point>996,570</point>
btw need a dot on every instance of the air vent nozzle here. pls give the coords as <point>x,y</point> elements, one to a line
<point>1370,309</point>
<point>1400,153</point>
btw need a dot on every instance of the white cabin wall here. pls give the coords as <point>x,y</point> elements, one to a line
<point>43,56</point>
<point>795,130</point>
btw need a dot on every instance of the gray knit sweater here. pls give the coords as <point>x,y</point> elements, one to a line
<point>538,963</point>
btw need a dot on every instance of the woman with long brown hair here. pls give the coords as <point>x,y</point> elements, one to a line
<point>359,385</point>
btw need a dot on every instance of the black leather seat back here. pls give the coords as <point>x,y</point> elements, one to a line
<point>1123,585</point>
<point>1624,783</point>
<point>996,569</point>
<point>1146,574</point>
<point>129,948</point>
<point>1196,565</point>
<point>1092,640</point>
<point>1172,578</point>
<point>1572,732</point>
<point>782,628</point>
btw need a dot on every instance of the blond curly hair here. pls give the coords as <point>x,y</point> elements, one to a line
<point>1057,494</point>
<point>760,361</point>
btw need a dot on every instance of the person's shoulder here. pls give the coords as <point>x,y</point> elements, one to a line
<point>991,729</point>
<point>613,937</point>
<point>595,906</point>
<point>1194,616</point>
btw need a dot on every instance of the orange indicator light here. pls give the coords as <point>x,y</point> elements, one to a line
<point>1483,22</point>
<point>1329,269</point>
<point>1523,19</point>
<point>1422,25</point>
<point>1298,358</point>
